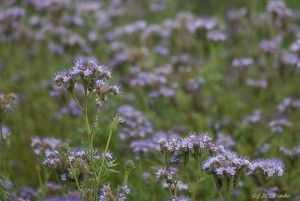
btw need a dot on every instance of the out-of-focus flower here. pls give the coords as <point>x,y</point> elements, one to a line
<point>259,84</point>
<point>5,133</point>
<point>270,46</point>
<point>278,8</point>
<point>136,124</point>
<point>225,140</point>
<point>143,145</point>
<point>288,104</point>
<point>196,24</point>
<point>292,153</point>
<point>181,186</point>
<point>241,63</point>
<point>216,36</point>
<point>180,198</point>
<point>41,145</point>
<point>254,117</point>
<point>27,193</point>
<point>194,84</point>
<point>236,14</point>
<point>278,125</point>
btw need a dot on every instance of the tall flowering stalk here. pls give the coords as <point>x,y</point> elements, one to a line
<point>94,79</point>
<point>177,152</point>
<point>226,168</point>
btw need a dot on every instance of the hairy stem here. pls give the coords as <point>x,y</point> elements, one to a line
<point>104,157</point>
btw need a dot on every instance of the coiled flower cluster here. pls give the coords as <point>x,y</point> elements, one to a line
<point>268,167</point>
<point>93,77</point>
<point>225,164</point>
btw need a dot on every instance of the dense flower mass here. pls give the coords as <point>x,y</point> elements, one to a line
<point>93,77</point>
<point>268,167</point>
<point>225,164</point>
<point>189,144</point>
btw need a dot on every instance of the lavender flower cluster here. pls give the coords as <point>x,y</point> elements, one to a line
<point>93,77</point>
<point>226,163</point>
<point>136,125</point>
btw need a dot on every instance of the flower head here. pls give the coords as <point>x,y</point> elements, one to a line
<point>225,164</point>
<point>268,167</point>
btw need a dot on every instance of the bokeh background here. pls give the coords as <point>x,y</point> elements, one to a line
<point>174,61</point>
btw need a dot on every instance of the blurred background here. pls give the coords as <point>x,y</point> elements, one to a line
<point>227,67</point>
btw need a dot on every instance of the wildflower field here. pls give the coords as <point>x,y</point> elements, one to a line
<point>149,100</point>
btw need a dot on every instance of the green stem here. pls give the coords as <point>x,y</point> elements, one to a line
<point>229,188</point>
<point>38,169</point>
<point>104,157</point>
<point>77,102</point>
<point>90,141</point>
<point>1,132</point>
<point>86,118</point>
<point>221,196</point>
<point>196,185</point>
<point>76,181</point>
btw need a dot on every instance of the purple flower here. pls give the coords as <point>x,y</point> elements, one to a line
<point>295,46</point>
<point>225,140</point>
<point>278,8</point>
<point>136,124</point>
<point>292,153</point>
<point>226,163</point>
<point>242,63</point>
<point>254,117</point>
<point>269,167</point>
<point>42,145</point>
<point>278,125</point>
<point>290,59</point>
<point>92,76</point>
<point>186,144</point>
<point>5,133</point>
<point>216,36</point>
<point>180,198</point>
<point>236,14</point>
<point>194,84</point>
<point>71,109</point>
<point>143,145</point>
<point>260,84</point>
<point>288,104</point>
<point>168,174</point>
<point>270,46</point>
<point>163,91</point>
<point>195,24</point>
<point>52,158</point>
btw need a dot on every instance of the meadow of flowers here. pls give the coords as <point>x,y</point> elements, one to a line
<point>153,100</point>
